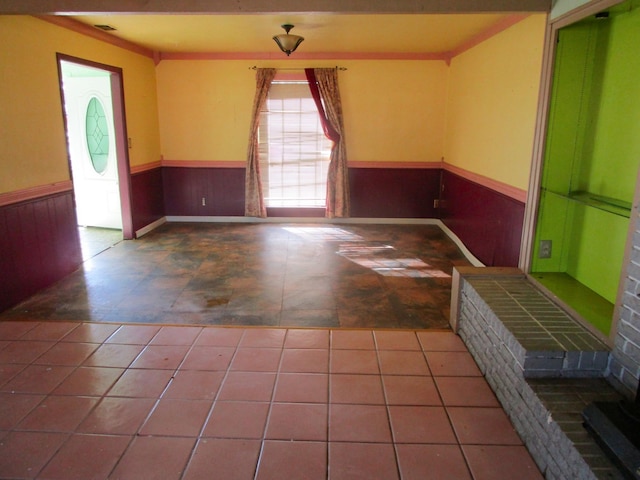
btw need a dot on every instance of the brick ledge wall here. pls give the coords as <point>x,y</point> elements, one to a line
<point>493,345</point>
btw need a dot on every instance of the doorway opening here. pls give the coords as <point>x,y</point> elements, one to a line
<point>94,123</point>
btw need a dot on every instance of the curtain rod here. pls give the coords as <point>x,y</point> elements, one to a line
<point>298,69</point>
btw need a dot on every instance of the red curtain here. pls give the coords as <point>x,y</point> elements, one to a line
<point>323,83</point>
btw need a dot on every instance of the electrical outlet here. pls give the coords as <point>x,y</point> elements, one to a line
<point>204,201</point>
<point>545,249</point>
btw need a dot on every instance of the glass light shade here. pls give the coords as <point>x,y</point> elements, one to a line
<point>288,43</point>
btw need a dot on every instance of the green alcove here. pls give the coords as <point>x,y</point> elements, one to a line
<point>592,153</point>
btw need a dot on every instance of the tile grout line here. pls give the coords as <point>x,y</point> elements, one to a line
<point>273,395</point>
<point>328,400</point>
<point>446,410</point>
<point>387,406</point>
<point>153,408</point>
<point>200,435</point>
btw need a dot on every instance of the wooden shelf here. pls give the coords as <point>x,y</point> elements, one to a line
<point>608,204</point>
<point>593,308</point>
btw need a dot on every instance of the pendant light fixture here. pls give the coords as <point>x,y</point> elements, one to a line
<point>288,43</point>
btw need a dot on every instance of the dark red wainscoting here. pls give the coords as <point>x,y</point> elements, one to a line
<point>147,198</point>
<point>39,244</point>
<point>394,193</point>
<point>221,188</point>
<point>488,223</point>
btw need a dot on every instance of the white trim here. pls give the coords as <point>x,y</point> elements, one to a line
<point>455,239</point>
<point>150,227</point>
<point>323,220</point>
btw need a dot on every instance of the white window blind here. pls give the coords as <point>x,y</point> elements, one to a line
<point>294,152</point>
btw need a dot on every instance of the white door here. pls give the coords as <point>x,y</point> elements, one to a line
<point>91,137</point>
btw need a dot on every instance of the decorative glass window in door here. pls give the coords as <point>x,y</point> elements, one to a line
<point>97,132</point>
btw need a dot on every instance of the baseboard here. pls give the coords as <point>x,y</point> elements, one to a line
<point>339,221</point>
<point>455,239</point>
<point>150,227</point>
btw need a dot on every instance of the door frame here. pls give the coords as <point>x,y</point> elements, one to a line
<point>120,134</point>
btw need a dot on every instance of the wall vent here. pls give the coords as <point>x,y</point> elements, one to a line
<point>106,28</point>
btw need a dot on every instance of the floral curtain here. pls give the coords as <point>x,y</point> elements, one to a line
<point>254,200</point>
<point>323,83</point>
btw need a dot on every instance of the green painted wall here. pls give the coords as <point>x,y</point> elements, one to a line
<point>592,150</point>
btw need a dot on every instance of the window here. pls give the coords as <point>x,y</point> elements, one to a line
<point>97,133</point>
<point>294,152</point>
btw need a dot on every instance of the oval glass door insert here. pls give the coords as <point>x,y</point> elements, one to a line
<point>97,131</point>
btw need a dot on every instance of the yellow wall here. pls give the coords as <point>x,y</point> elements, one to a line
<point>393,110</point>
<point>492,104</point>
<point>32,140</point>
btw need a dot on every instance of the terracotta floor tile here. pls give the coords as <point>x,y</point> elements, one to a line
<point>302,388</point>
<point>402,363</point>
<point>194,385</point>
<point>256,360</point>
<point>208,358</point>
<point>23,454</point>
<point>220,337</point>
<point>37,379</point>
<point>141,383</point>
<point>134,334</point>
<point>354,361</point>
<point>298,338</point>
<point>176,336</point>
<point>16,406</point>
<point>230,459</point>
<point>160,357</point>
<point>410,390</point>
<point>483,426</point>
<point>353,461</point>
<point>50,331</point>
<point>14,330</point>
<point>297,421</point>
<point>117,416</point>
<point>162,458</point>
<point>89,381</point>
<point>466,392</point>
<point>360,389</point>
<point>452,364</point>
<point>352,340</point>
<point>86,456</point>
<point>281,460</point>
<point>497,462</point>
<point>396,340</point>
<point>66,353</point>
<point>263,337</point>
<point>421,425</point>
<point>306,360</point>
<point>237,420</point>
<point>433,462</point>
<point>358,423</point>
<point>8,371</point>
<point>58,414</point>
<point>176,417</point>
<point>22,352</point>
<point>248,386</point>
<point>114,355</point>
<point>441,342</point>
<point>90,333</point>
